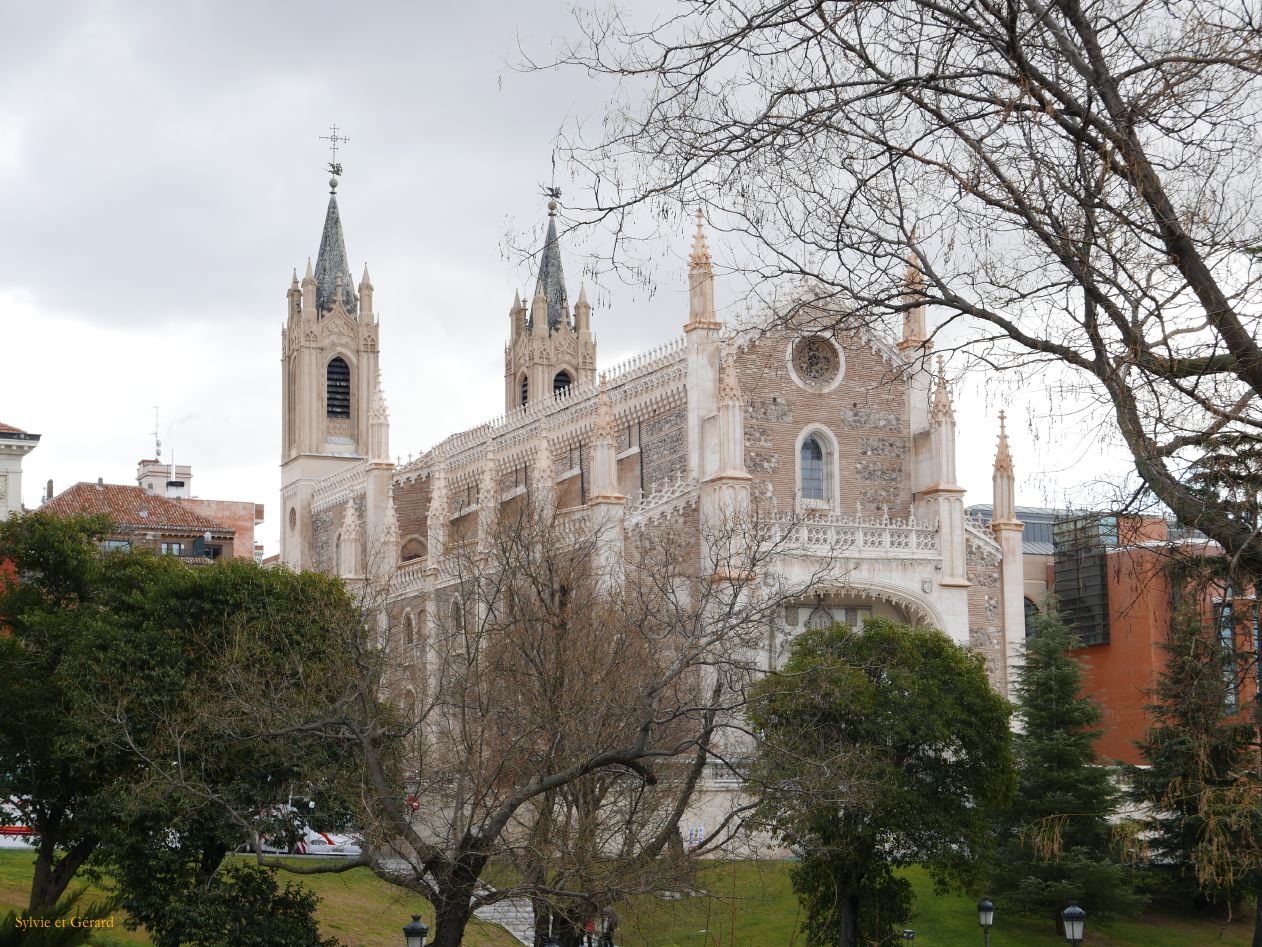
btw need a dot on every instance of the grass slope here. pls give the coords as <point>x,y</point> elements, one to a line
<point>747,904</point>
<point>357,908</point>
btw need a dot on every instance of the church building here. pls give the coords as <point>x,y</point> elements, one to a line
<point>848,436</point>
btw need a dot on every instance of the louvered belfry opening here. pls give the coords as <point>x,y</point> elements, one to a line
<point>338,389</point>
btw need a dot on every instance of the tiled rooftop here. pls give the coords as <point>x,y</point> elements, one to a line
<point>130,507</point>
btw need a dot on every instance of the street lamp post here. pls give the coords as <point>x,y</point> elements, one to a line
<point>1075,921</point>
<point>414,934</point>
<point>985,917</point>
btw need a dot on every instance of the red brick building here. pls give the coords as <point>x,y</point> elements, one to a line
<point>1112,579</point>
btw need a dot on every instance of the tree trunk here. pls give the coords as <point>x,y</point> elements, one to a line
<point>543,921</point>
<point>848,935</point>
<point>1257,729</point>
<point>451,916</point>
<point>53,875</point>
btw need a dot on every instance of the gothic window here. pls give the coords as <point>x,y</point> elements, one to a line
<point>561,382</point>
<point>409,630</point>
<point>338,389</point>
<point>413,549</point>
<point>525,390</point>
<point>814,484</point>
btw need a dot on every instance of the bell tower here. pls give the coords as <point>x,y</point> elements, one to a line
<point>328,376</point>
<point>550,346</point>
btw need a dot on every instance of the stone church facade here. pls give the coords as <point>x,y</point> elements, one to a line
<point>848,436</point>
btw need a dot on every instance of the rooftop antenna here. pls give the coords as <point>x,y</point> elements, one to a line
<point>157,441</point>
<point>335,168</point>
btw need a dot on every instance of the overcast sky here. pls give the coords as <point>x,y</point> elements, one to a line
<point>162,173</point>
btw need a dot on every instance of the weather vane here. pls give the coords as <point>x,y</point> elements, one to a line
<point>334,140</point>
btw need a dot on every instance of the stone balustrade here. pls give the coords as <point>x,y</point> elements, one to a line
<point>858,537</point>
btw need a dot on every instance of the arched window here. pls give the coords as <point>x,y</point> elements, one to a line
<point>413,549</point>
<point>409,630</point>
<point>525,390</point>
<point>814,484</point>
<point>561,382</point>
<point>338,389</point>
<point>1031,613</point>
<point>457,615</point>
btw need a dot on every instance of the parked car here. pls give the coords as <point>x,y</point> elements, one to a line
<point>327,843</point>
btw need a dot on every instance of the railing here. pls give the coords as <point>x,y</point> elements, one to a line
<point>409,578</point>
<point>859,537</point>
<point>680,487</point>
<point>336,488</point>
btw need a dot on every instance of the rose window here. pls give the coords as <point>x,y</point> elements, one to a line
<point>815,361</point>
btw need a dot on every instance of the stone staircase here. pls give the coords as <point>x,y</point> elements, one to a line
<point>514,915</point>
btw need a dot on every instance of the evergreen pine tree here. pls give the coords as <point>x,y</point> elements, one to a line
<point>1200,788</point>
<point>1056,841</point>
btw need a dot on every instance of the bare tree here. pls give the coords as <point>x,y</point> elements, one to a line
<point>1075,180</point>
<point>579,678</point>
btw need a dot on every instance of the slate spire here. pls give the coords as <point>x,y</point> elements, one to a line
<point>331,261</point>
<point>551,281</point>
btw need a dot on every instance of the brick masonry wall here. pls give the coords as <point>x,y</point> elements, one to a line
<point>411,506</point>
<point>866,413</point>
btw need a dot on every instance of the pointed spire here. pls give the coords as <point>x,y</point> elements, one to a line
<point>331,264</point>
<point>701,314</point>
<point>942,407</point>
<point>700,258</point>
<point>1003,456</point>
<point>1004,511</point>
<point>551,281</point>
<point>293,284</point>
<point>914,330</point>
<point>307,277</point>
<point>582,312</point>
<point>365,294</point>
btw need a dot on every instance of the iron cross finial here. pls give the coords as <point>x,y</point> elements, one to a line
<point>334,140</point>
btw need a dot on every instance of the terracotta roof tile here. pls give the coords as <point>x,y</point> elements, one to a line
<point>9,429</point>
<point>129,506</point>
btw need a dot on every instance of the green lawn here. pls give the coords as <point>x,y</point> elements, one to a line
<point>746,904</point>
<point>750,904</point>
<point>357,908</point>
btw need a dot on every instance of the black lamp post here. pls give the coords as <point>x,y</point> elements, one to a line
<point>1075,921</point>
<point>414,934</point>
<point>985,917</point>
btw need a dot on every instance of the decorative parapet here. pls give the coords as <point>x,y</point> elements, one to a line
<point>665,499</point>
<point>337,487</point>
<point>409,578</point>
<point>859,537</point>
<point>979,534</point>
